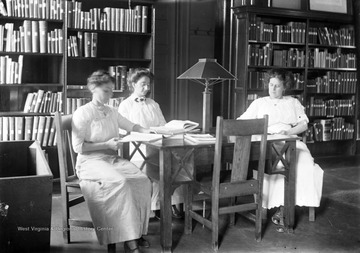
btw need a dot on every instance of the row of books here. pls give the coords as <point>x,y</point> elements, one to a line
<point>44,9</point>
<point>43,102</point>
<point>324,59</point>
<point>10,70</point>
<point>293,32</point>
<point>120,73</point>
<point>256,80</point>
<point>83,45</point>
<point>330,129</point>
<point>332,37</point>
<point>32,37</point>
<point>108,19</point>
<point>41,128</point>
<point>73,103</point>
<point>330,107</point>
<point>333,82</point>
<point>289,58</point>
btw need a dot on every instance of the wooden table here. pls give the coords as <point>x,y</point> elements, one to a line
<point>173,162</point>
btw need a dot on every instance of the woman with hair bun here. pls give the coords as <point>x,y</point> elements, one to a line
<point>286,116</point>
<point>119,208</point>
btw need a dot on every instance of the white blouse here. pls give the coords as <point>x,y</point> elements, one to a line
<point>146,113</point>
<point>283,113</point>
<point>90,124</point>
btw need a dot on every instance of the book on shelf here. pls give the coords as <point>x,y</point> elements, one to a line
<point>83,45</point>
<point>108,18</point>
<point>322,58</point>
<point>200,138</point>
<point>41,128</point>
<point>332,37</point>
<point>120,73</point>
<point>330,129</point>
<point>175,127</point>
<point>31,37</point>
<point>334,82</point>
<point>330,107</point>
<point>43,102</point>
<point>291,32</point>
<point>10,70</point>
<point>42,9</point>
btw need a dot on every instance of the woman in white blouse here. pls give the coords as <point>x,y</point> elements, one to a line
<point>142,110</point>
<point>119,208</point>
<point>287,116</point>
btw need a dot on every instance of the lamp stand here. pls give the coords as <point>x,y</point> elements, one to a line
<point>206,108</point>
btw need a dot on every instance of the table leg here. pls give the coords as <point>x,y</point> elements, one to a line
<point>165,200</point>
<point>290,180</point>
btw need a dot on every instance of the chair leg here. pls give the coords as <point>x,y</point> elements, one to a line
<point>188,207</point>
<point>311,213</point>
<point>215,224</point>
<point>232,215</point>
<point>259,219</point>
<point>111,248</point>
<point>66,216</point>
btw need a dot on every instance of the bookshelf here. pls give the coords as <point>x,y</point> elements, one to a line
<point>51,47</point>
<point>319,51</point>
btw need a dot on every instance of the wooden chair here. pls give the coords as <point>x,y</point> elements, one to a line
<point>69,182</point>
<point>239,185</point>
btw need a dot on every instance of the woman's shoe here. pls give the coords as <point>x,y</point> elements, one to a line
<point>128,250</point>
<point>278,217</point>
<point>143,242</point>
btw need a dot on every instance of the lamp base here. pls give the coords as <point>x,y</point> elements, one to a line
<point>206,111</point>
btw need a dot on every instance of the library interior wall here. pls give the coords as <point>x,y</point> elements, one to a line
<point>184,33</point>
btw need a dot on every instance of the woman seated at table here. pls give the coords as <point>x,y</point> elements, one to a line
<point>119,208</point>
<point>287,116</point>
<point>142,110</point>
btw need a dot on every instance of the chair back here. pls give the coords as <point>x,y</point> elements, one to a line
<point>66,154</point>
<point>242,130</point>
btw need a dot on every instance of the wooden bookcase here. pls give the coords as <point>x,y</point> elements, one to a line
<point>299,41</point>
<point>65,74</point>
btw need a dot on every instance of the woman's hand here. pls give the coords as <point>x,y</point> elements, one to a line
<point>113,144</point>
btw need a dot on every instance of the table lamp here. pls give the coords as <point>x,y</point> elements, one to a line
<point>207,72</point>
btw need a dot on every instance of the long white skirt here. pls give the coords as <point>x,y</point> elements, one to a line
<point>309,181</point>
<point>177,196</point>
<point>118,196</point>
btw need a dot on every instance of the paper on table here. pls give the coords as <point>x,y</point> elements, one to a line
<point>135,136</point>
<point>176,127</point>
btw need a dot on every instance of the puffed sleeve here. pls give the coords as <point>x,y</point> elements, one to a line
<point>160,115</point>
<point>79,125</point>
<point>252,111</point>
<point>123,109</point>
<point>300,112</point>
<point>124,123</point>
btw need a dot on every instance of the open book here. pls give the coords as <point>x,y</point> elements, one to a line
<point>176,127</point>
<point>135,136</point>
<point>200,138</point>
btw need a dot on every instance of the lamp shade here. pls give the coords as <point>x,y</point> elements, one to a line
<point>207,69</point>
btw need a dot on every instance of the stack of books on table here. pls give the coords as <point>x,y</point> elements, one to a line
<point>200,138</point>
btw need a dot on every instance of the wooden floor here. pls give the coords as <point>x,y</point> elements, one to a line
<point>336,229</point>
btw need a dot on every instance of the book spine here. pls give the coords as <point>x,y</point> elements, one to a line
<point>27,33</point>
<point>144,19</point>
<point>46,131</point>
<point>94,42</point>
<point>28,127</point>
<point>40,130</point>
<point>11,128</point>
<point>19,123</point>
<point>52,132</point>
<point>43,36</point>
<point>5,129</point>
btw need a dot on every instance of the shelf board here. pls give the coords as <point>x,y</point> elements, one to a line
<point>110,59</point>
<point>275,67</point>
<point>335,69</point>
<point>331,94</point>
<point>30,54</point>
<point>331,117</point>
<point>277,43</point>
<point>261,90</point>
<point>331,46</point>
<point>31,85</point>
<point>315,142</point>
<point>110,32</point>
<point>24,114</point>
<point>12,18</point>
